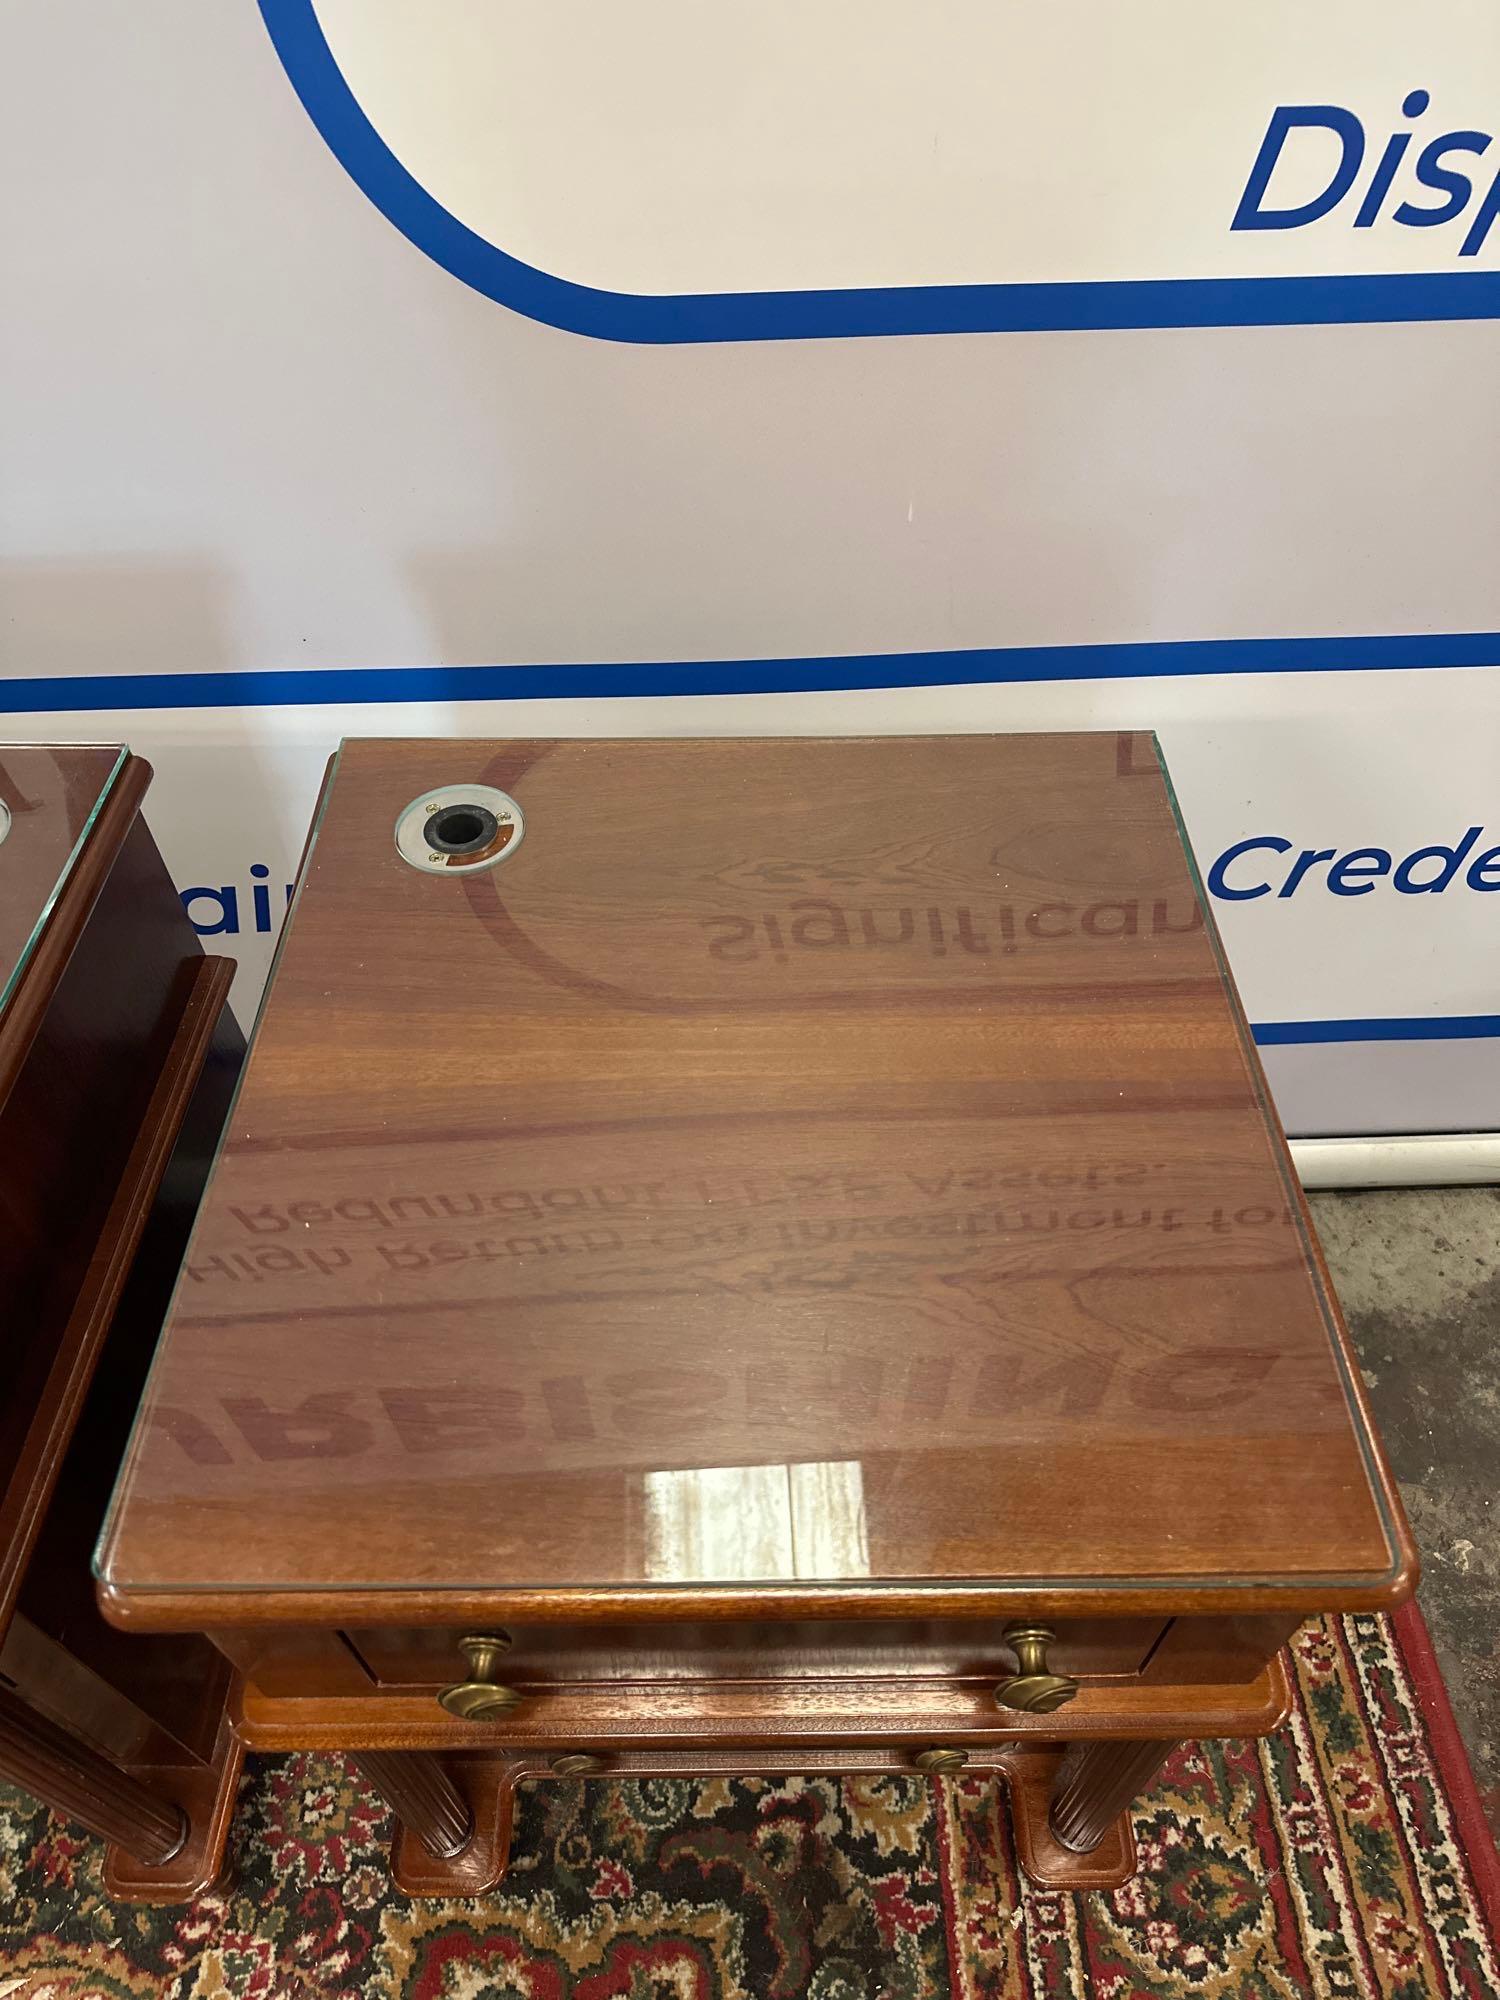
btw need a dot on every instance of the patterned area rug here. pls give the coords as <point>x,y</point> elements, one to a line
<point>1328,1861</point>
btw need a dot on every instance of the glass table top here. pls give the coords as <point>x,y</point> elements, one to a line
<point>50,796</point>
<point>804,1162</point>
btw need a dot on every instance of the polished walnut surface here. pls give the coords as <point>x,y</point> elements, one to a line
<point>49,796</point>
<point>821,1170</point>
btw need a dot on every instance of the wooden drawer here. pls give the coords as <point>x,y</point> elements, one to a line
<point>1089,1649</point>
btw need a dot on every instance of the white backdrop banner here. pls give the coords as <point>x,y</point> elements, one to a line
<point>669,171</point>
<point>489,371</point>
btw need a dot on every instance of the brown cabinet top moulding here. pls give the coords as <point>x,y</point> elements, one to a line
<point>51,798</point>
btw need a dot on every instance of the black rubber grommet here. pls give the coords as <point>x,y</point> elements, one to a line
<point>460,829</point>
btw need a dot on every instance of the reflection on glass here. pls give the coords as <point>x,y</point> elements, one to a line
<point>50,797</point>
<point>874,1111</point>
<point>740,1523</point>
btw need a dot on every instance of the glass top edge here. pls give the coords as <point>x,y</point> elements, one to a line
<point>12,974</point>
<point>1329,1311</point>
<point>809,1587</point>
<point>99,1560</point>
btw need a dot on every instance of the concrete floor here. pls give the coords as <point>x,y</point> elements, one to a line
<point>1418,1272</point>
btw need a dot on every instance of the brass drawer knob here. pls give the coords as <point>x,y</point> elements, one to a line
<point>481,1698</point>
<point>578,1764</point>
<point>1033,1689</point>
<point>941,1763</point>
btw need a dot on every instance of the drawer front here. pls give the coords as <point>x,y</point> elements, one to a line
<point>540,1655</point>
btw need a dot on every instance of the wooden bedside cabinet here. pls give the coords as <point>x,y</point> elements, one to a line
<point>117,1058</point>
<point>752,1256</point>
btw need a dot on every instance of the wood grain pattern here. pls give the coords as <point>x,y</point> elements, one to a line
<point>540,1656</point>
<point>102,1278</point>
<point>1095,1784</point>
<point>1027,1772</point>
<point>912,1707</point>
<point>82,1044</point>
<point>42,1758</point>
<point>811,1202</point>
<point>117,1055</point>
<point>1030,1773</point>
<point>309,1660</point>
<point>781,1120</point>
<point>488,1788</point>
<point>59,1682</point>
<point>49,793</point>
<point>422,1796</point>
<point>206,1792</point>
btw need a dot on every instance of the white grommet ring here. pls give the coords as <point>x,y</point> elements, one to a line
<point>458,829</point>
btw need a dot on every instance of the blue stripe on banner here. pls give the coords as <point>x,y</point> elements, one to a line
<point>847,312</point>
<point>1411,1028</point>
<point>302,687</point>
<point>978,666</point>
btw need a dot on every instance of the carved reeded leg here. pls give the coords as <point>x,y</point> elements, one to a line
<point>77,1780</point>
<point>432,1808</point>
<point>1088,1787</point>
<point>207,1793</point>
<point>1030,1773</point>
<point>1095,1783</point>
<point>422,1796</point>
